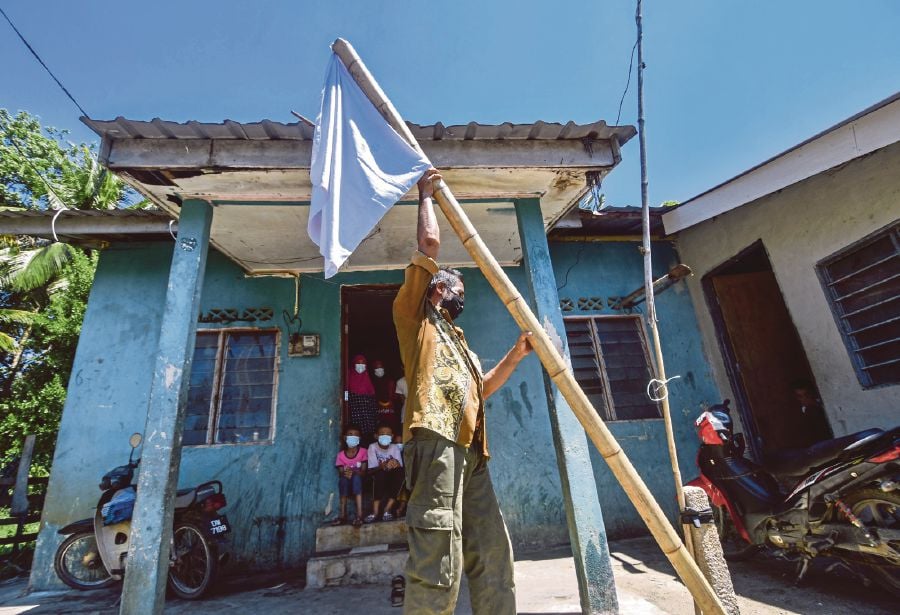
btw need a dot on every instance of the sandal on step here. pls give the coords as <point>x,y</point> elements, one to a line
<point>357,522</point>
<point>387,517</point>
<point>339,521</point>
<point>370,519</point>
<point>398,590</point>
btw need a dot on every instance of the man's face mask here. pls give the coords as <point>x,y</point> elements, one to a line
<point>352,440</point>
<point>385,440</point>
<point>360,368</point>
<point>379,371</point>
<point>453,303</point>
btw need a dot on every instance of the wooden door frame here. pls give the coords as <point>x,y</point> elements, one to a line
<point>729,358</point>
<point>345,290</point>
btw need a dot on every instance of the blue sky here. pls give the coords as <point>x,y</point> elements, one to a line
<point>728,83</point>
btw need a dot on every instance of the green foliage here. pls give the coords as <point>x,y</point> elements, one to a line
<point>33,393</point>
<point>39,169</point>
<point>44,285</point>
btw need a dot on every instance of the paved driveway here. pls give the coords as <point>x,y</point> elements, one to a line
<point>546,584</point>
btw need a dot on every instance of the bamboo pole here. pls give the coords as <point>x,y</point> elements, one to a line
<point>556,366</point>
<point>650,294</point>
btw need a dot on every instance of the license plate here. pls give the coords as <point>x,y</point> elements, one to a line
<point>219,526</point>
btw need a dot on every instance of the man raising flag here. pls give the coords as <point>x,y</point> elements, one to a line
<point>360,168</point>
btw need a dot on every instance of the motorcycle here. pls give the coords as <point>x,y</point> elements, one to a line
<point>95,551</point>
<point>843,498</point>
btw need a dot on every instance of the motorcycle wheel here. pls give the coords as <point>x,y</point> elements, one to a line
<point>78,563</point>
<point>878,509</point>
<point>734,547</point>
<point>195,561</point>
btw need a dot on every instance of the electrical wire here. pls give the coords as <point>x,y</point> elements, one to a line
<point>38,58</point>
<point>627,82</point>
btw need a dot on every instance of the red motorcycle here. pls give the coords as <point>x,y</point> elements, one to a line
<point>842,498</point>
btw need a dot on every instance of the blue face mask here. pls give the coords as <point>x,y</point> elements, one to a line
<point>385,440</point>
<point>400,445</point>
<point>352,441</point>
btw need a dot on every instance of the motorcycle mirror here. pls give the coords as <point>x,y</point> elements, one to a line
<point>135,440</point>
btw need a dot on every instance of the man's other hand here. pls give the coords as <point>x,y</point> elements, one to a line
<point>523,345</point>
<point>426,183</point>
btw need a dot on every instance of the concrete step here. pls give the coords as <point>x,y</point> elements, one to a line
<point>373,564</point>
<point>330,538</point>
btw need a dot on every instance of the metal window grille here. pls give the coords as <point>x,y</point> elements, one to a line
<point>611,362</point>
<point>862,283</point>
<point>234,378</point>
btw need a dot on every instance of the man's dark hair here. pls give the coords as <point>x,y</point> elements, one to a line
<point>446,275</point>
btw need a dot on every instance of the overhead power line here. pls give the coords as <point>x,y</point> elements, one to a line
<point>38,58</point>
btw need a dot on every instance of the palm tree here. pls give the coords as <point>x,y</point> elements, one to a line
<point>16,318</point>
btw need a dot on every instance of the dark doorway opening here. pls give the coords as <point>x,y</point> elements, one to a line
<point>367,326</point>
<point>763,354</point>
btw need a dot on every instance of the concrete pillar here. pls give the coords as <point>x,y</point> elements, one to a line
<point>708,550</point>
<point>147,566</point>
<point>587,532</point>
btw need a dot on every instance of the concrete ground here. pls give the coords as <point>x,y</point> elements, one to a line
<point>546,584</point>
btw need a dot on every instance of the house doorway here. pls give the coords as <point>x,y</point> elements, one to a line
<point>367,326</point>
<point>764,357</point>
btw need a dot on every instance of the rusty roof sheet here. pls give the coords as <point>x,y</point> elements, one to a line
<point>122,128</point>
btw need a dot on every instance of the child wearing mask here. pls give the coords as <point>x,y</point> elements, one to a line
<point>351,467</point>
<point>384,395</point>
<point>386,468</point>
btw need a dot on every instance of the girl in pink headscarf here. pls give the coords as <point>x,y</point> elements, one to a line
<point>361,398</point>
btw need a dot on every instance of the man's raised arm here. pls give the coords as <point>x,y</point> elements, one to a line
<point>428,234</point>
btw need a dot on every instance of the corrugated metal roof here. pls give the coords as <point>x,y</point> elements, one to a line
<point>122,128</point>
<point>618,221</point>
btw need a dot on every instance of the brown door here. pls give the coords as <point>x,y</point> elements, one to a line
<point>767,352</point>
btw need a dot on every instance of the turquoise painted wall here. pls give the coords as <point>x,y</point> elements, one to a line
<point>610,269</point>
<point>277,492</point>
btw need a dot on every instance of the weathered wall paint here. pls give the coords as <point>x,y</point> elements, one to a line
<point>277,492</point>
<point>615,269</point>
<point>799,226</point>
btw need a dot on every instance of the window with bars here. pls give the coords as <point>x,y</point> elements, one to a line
<point>862,283</point>
<point>612,365</point>
<point>231,398</point>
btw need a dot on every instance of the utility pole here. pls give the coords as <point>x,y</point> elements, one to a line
<point>663,388</point>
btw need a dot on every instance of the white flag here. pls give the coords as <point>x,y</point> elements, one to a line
<point>360,168</point>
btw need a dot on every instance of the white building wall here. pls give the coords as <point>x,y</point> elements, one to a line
<point>799,226</point>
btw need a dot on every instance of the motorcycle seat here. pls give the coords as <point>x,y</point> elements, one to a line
<point>797,462</point>
<point>185,497</point>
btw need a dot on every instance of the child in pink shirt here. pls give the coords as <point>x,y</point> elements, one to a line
<point>351,467</point>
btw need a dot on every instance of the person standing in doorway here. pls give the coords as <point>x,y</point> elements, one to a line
<point>361,398</point>
<point>454,519</point>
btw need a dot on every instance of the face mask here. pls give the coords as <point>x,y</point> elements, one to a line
<point>360,368</point>
<point>400,445</point>
<point>352,441</point>
<point>453,305</point>
<point>379,372</point>
<point>385,440</point>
